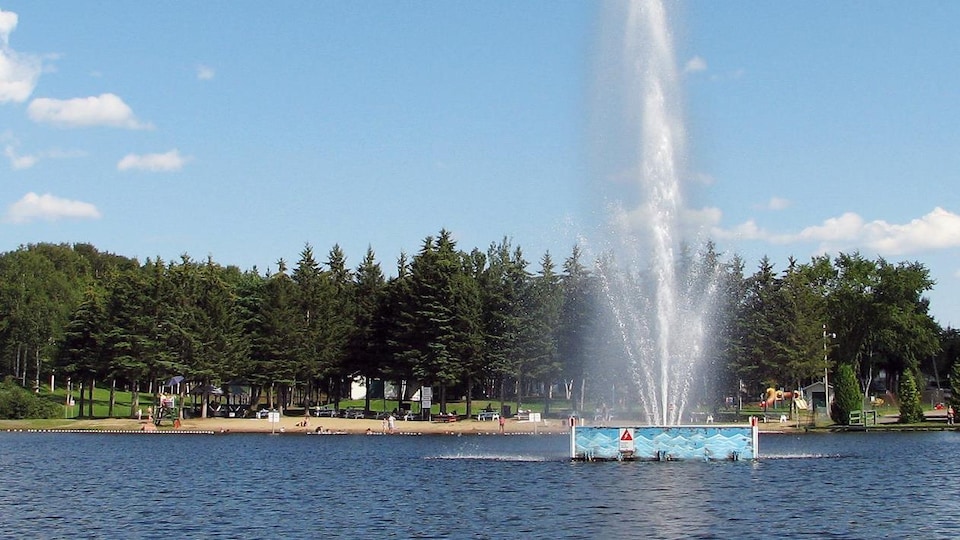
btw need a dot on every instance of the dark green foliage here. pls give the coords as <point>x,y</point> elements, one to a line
<point>575,328</point>
<point>444,314</point>
<point>955,386</point>
<point>911,411</point>
<point>477,323</point>
<point>17,403</point>
<point>847,396</point>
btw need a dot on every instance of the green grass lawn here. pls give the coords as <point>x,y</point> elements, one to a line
<point>558,408</point>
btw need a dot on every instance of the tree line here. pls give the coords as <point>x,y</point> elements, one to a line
<point>478,324</point>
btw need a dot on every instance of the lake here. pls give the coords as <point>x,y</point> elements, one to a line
<point>856,485</point>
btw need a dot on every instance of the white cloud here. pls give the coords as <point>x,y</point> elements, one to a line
<point>169,161</point>
<point>25,161</point>
<point>703,179</point>
<point>729,76</point>
<point>18,161</point>
<point>19,72</point>
<point>700,218</point>
<point>8,22</point>
<point>103,110</point>
<point>691,222</point>
<point>33,207</point>
<point>694,65</point>
<point>939,229</point>
<point>748,230</point>
<point>776,203</point>
<point>205,73</point>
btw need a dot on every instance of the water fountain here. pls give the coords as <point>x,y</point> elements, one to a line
<point>660,298</point>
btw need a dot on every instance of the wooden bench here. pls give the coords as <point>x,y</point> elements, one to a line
<point>445,418</point>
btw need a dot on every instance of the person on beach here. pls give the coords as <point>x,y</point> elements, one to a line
<point>501,425</point>
<point>950,415</point>
<point>390,423</point>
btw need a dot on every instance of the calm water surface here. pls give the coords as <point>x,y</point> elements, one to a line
<point>258,486</point>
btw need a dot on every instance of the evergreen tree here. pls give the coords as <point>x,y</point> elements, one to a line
<point>576,325</point>
<point>397,323</point>
<point>217,341</point>
<point>312,299</point>
<point>442,314</point>
<point>84,344</point>
<point>911,411</point>
<point>278,336</point>
<point>799,327</point>
<point>540,333</point>
<point>502,282</point>
<point>757,368</point>
<point>366,349</point>
<point>339,311</point>
<point>249,288</point>
<point>846,395</point>
<point>955,386</point>
<point>731,331</point>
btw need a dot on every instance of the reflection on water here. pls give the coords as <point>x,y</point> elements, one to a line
<point>810,486</point>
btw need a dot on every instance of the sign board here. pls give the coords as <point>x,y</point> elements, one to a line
<point>426,398</point>
<point>273,417</point>
<point>626,440</point>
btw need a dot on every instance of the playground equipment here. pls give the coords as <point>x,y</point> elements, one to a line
<point>773,396</point>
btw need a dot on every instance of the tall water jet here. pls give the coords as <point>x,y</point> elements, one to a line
<point>659,294</point>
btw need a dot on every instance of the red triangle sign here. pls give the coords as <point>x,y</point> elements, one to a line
<point>626,435</point>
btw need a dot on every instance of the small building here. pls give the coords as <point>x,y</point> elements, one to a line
<point>816,400</point>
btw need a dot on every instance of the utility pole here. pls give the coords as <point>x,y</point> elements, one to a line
<point>826,369</point>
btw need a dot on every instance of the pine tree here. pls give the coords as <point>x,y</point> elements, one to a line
<point>366,347</point>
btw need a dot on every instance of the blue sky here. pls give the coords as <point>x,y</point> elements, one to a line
<point>243,130</point>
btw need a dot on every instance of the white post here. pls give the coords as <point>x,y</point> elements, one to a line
<point>826,366</point>
<point>826,385</point>
<point>573,437</point>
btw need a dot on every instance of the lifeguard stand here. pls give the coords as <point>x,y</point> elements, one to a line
<point>166,407</point>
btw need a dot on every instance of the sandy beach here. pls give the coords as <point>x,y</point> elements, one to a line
<point>294,425</point>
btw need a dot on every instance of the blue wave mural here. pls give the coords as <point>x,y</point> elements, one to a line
<point>671,443</point>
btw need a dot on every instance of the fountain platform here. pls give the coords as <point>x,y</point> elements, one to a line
<point>709,442</point>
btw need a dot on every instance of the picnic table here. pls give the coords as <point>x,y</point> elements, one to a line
<point>483,416</point>
<point>445,418</point>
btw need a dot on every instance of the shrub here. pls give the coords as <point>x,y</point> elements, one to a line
<point>17,403</point>
<point>847,396</point>
<point>911,411</point>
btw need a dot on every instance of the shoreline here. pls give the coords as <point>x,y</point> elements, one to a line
<point>289,425</point>
<point>345,426</point>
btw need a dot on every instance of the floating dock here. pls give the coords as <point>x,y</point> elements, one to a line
<point>710,442</point>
